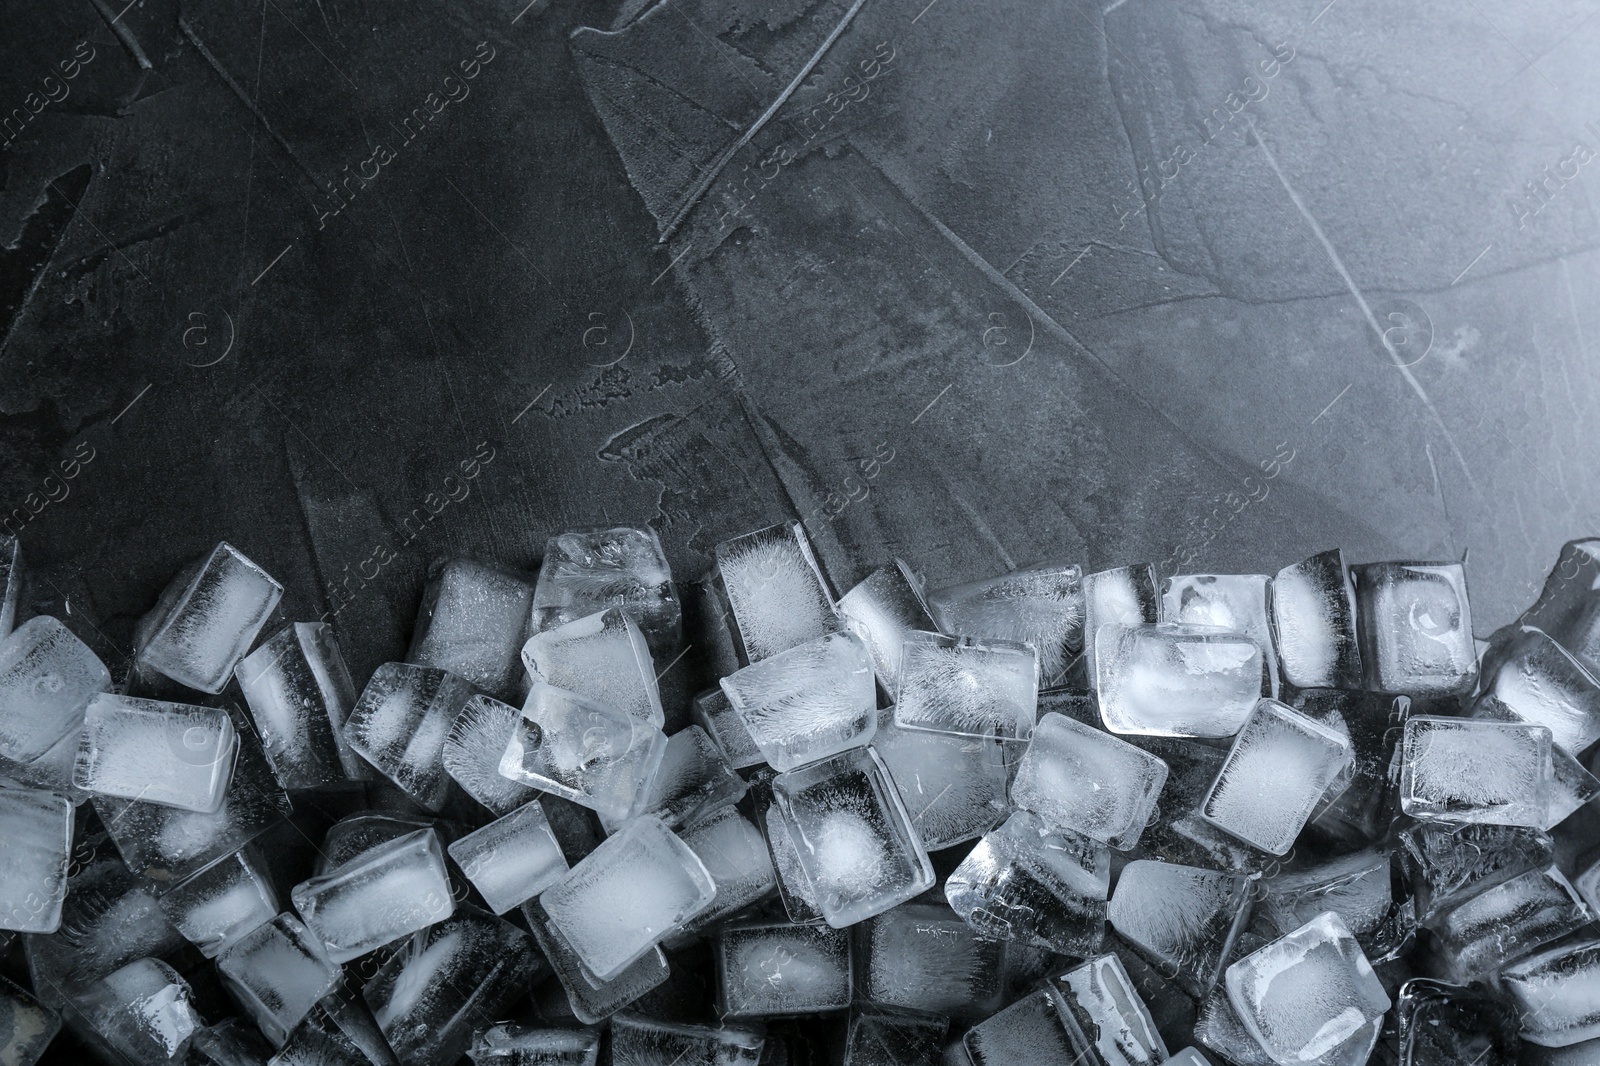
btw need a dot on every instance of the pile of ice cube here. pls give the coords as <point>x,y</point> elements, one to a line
<point>1041,819</point>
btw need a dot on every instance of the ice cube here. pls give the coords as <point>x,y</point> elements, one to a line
<point>775,968</point>
<point>300,694</point>
<point>1568,607</point>
<point>583,751</point>
<point>1443,1025</point>
<point>589,570</point>
<point>808,701</point>
<point>1241,603</point>
<point>973,688</point>
<point>1314,616</point>
<point>35,850</point>
<point>1358,810</point>
<point>1108,1008</point>
<point>1037,1030</point>
<point>1176,680</point>
<point>512,859</point>
<point>377,897</point>
<point>592,1000</point>
<point>1462,770</point>
<point>1570,786</point>
<point>51,771</point>
<point>1188,1057</point>
<point>236,1042</point>
<point>798,894</point>
<point>692,781</point>
<point>1218,1027</point>
<point>1535,679</point>
<point>735,855</point>
<point>26,1026</point>
<point>853,839</point>
<point>47,677</point>
<point>640,1041</point>
<point>10,583</point>
<point>206,620</point>
<point>476,743</point>
<point>472,622</point>
<point>775,591</point>
<point>356,834</point>
<point>637,888</point>
<point>1555,993</point>
<point>1183,918</point>
<point>882,610</point>
<point>1024,882</point>
<point>1365,889</point>
<point>1507,921</point>
<point>514,1044</point>
<point>1038,605</point>
<point>922,956</point>
<point>1415,628</point>
<point>1276,772</point>
<point>602,657</point>
<point>173,754</point>
<point>217,905</point>
<point>1180,833</point>
<point>276,972</point>
<point>1126,595</point>
<point>338,1030</point>
<point>953,787</point>
<point>1447,863</point>
<point>1079,778</point>
<point>143,1011</point>
<point>713,712</point>
<point>1310,997</point>
<point>400,725</point>
<point>879,1037</point>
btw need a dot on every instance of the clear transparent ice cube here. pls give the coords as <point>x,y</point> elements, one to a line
<point>381,895</point>
<point>512,859</point>
<point>1080,778</point>
<point>472,622</point>
<point>206,619</point>
<point>1037,605</point>
<point>602,657</point>
<point>1468,770</point>
<point>299,692</point>
<point>400,725</point>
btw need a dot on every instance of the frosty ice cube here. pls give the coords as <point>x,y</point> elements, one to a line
<point>1026,883</point>
<point>1554,991</point>
<point>514,1044</point>
<point>217,905</point>
<point>638,887</point>
<point>400,725</point>
<point>1364,889</point>
<point>143,1011</point>
<point>1415,628</point>
<point>472,623</point>
<point>735,855</point>
<point>712,711</point>
<point>1508,921</point>
<point>807,702</point>
<point>1181,834</point>
<point>26,1026</point>
<point>853,839</point>
<point>377,897</point>
<point>1183,918</point>
<point>1447,863</point>
<point>583,751</point>
<point>592,1000</point>
<point>1310,997</point>
<point>1464,770</point>
<point>603,658</point>
<point>1241,603</point>
<point>640,1041</point>
<point>881,610</point>
<point>1276,772</point>
<point>1314,617</point>
<point>276,972</point>
<point>1102,998</point>
<point>922,956</point>
<point>972,688</point>
<point>47,677</point>
<point>1079,778</point>
<point>590,570</point>
<point>1443,1025</point>
<point>206,620</point>
<point>1568,607</point>
<point>953,787</point>
<point>879,1037</point>
<point>476,743</point>
<point>1038,605</point>
<point>35,844</point>
<point>300,693</point>
<point>512,859</point>
<point>1126,595</point>
<point>774,968</point>
<point>1535,679</point>
<point>692,781</point>
<point>1176,680</point>
<point>173,754</point>
<point>775,591</point>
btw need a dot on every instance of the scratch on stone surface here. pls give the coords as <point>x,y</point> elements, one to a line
<point>1444,505</point>
<point>976,518</point>
<point>123,33</point>
<point>45,227</point>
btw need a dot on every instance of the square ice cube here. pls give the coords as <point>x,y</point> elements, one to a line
<point>1314,617</point>
<point>880,1037</point>
<point>808,701</point>
<point>512,859</point>
<point>473,749</point>
<point>1366,889</point>
<point>713,712</point>
<point>217,905</point>
<point>1176,680</point>
<point>602,657</point>
<point>47,677</point>
<point>1276,772</point>
<point>276,972</point>
<point>958,685</point>
<point>1127,595</point>
<point>590,570</point>
<point>35,843</point>
<point>400,725</point>
<point>953,787</point>
<point>1515,917</point>
<point>1184,919</point>
<point>640,1041</point>
<point>28,1026</point>
<point>1554,993</point>
<point>1103,1000</point>
<point>206,619</point>
<point>1181,834</point>
<point>922,956</point>
<point>592,1000</point>
<point>1415,628</point>
<point>472,623</point>
<point>299,692</point>
<point>692,781</point>
<point>1446,863</point>
<point>854,841</point>
<point>1539,682</point>
<point>516,1044</point>
<point>1038,605</point>
<point>1077,777</point>
<point>775,968</point>
<point>595,756</point>
<point>1466,770</point>
<point>637,888</point>
<point>381,895</point>
<point>173,754</point>
<point>1570,786</point>
<point>735,855</point>
<point>881,610</point>
<point>1240,603</point>
<point>144,1011</point>
<point>775,591</point>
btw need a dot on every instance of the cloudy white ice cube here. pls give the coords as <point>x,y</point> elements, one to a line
<point>775,968</point>
<point>808,701</point>
<point>173,754</point>
<point>377,897</point>
<point>1280,765</point>
<point>775,590</point>
<point>276,972</point>
<point>1185,919</point>
<point>206,619</point>
<point>1467,770</point>
<point>47,677</point>
<point>400,725</point>
<point>976,688</point>
<point>1041,606</point>
<point>602,657</point>
<point>1080,778</point>
<point>512,859</point>
<point>472,622</point>
<point>35,846</point>
<point>1175,680</point>
<point>881,610</point>
<point>217,905</point>
<point>473,749</point>
<point>1314,620</point>
<point>1240,603</point>
<point>1125,595</point>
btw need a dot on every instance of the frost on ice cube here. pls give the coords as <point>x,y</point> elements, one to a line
<point>1176,680</point>
<point>879,1037</point>
<point>953,787</point>
<point>1570,786</point>
<point>735,855</point>
<point>1555,993</point>
<point>1027,883</point>
<point>300,694</point>
<point>173,754</point>
<point>1280,765</point>
<point>143,1011</point>
<point>1107,1006</point>
<point>637,888</point>
<point>1314,616</point>
<point>1038,605</point>
<point>1310,997</point>
<point>1568,607</point>
<point>853,839</point>
<point>1447,863</point>
<point>602,657</point>
<point>512,859</point>
<point>276,972</point>
<point>1183,918</point>
<point>922,956</point>
<point>472,623</point>
<point>1507,921</point>
<point>775,968</point>
<point>400,725</point>
<point>1465,770</point>
<point>1358,807</point>
<point>1415,628</point>
<point>1445,1025</point>
<point>590,570</point>
<point>47,677</point>
<point>26,1026</point>
<point>206,619</point>
<point>476,743</point>
<point>692,781</point>
<point>1537,681</point>
<point>1036,1030</point>
<point>1366,889</point>
<point>807,702</point>
<point>882,610</point>
<point>1240,603</point>
<point>377,897</point>
<point>640,1041</point>
<point>973,688</point>
<point>35,845</point>
<point>583,751</point>
<point>1079,778</point>
<point>591,999</point>
<point>775,591</point>
<point>712,711</point>
<point>515,1044</point>
<point>217,905</point>
<point>1126,595</point>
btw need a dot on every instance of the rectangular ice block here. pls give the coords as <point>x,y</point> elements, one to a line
<point>299,692</point>
<point>473,748</point>
<point>1314,617</point>
<point>1240,603</point>
<point>512,859</point>
<point>276,972</point>
<point>1538,681</point>
<point>217,905</point>
<point>1468,770</point>
<point>35,845</point>
<point>1184,919</point>
<point>953,787</point>
<point>1126,595</point>
<point>808,701</point>
<point>47,677</point>
<point>602,657</point>
<point>881,610</point>
<point>592,1001</point>
<point>472,622</point>
<point>922,956</point>
<point>1080,778</point>
<point>769,969</point>
<point>173,754</point>
<point>377,897</point>
<point>775,591</point>
<point>400,725</point>
<point>590,570</point>
<point>517,1044</point>
<point>1176,680</point>
<point>206,619</point>
<point>1415,628</point>
<point>1103,1000</point>
<point>986,688</point>
<point>1505,922</point>
<point>1037,605</point>
<point>1555,993</point>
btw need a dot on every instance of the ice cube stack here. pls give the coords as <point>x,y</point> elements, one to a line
<point>1038,818</point>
